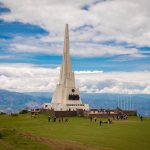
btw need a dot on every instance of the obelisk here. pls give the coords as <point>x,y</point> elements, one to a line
<point>66,95</point>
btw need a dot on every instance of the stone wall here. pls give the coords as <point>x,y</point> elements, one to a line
<point>81,112</point>
<point>130,112</point>
<point>59,113</point>
<point>65,113</point>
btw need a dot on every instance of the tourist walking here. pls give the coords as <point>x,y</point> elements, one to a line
<point>54,120</point>
<point>49,118</point>
<point>100,122</point>
<point>141,118</point>
<point>91,119</point>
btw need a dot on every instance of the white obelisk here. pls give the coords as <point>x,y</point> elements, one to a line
<point>66,95</point>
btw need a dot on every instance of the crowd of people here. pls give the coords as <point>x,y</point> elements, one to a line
<point>92,119</point>
<point>60,119</point>
<point>108,121</point>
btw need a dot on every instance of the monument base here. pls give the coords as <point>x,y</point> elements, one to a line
<point>65,107</point>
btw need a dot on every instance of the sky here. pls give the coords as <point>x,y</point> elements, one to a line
<point>109,44</point>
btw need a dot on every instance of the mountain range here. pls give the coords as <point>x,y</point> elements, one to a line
<point>15,101</point>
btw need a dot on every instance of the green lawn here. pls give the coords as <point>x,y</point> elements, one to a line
<point>131,134</point>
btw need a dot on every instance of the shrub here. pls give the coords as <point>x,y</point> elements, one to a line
<point>2,113</point>
<point>7,132</point>
<point>24,111</point>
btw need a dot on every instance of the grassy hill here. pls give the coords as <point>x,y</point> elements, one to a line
<point>24,133</point>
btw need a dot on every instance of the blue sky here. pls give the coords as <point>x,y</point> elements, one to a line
<point>104,36</point>
<point>107,63</point>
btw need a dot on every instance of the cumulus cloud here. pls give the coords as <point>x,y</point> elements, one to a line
<point>5,57</point>
<point>114,82</point>
<point>117,20</point>
<point>31,78</point>
<point>82,49</point>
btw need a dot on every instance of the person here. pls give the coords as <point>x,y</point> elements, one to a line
<point>117,117</point>
<point>66,120</point>
<point>91,119</point>
<point>100,122</point>
<point>109,121</point>
<point>49,118</point>
<point>33,116</point>
<point>62,119</point>
<point>59,120</point>
<point>141,117</point>
<point>54,119</point>
<point>95,119</point>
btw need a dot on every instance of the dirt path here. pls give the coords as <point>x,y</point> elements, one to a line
<point>60,144</point>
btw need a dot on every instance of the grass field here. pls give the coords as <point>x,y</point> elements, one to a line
<point>24,133</point>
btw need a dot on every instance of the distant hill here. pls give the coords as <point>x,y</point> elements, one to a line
<point>139,102</point>
<point>14,101</point>
<point>46,95</point>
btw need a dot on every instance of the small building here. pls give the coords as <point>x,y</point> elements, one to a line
<point>35,112</point>
<point>110,112</point>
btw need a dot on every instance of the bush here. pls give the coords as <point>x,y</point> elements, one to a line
<point>2,113</point>
<point>24,111</point>
<point>7,132</point>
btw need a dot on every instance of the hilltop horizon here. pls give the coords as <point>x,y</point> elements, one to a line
<point>14,101</point>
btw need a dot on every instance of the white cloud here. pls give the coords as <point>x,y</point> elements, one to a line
<point>91,49</point>
<point>119,20</point>
<point>114,82</point>
<point>22,44</point>
<point>30,78</point>
<point>5,57</point>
